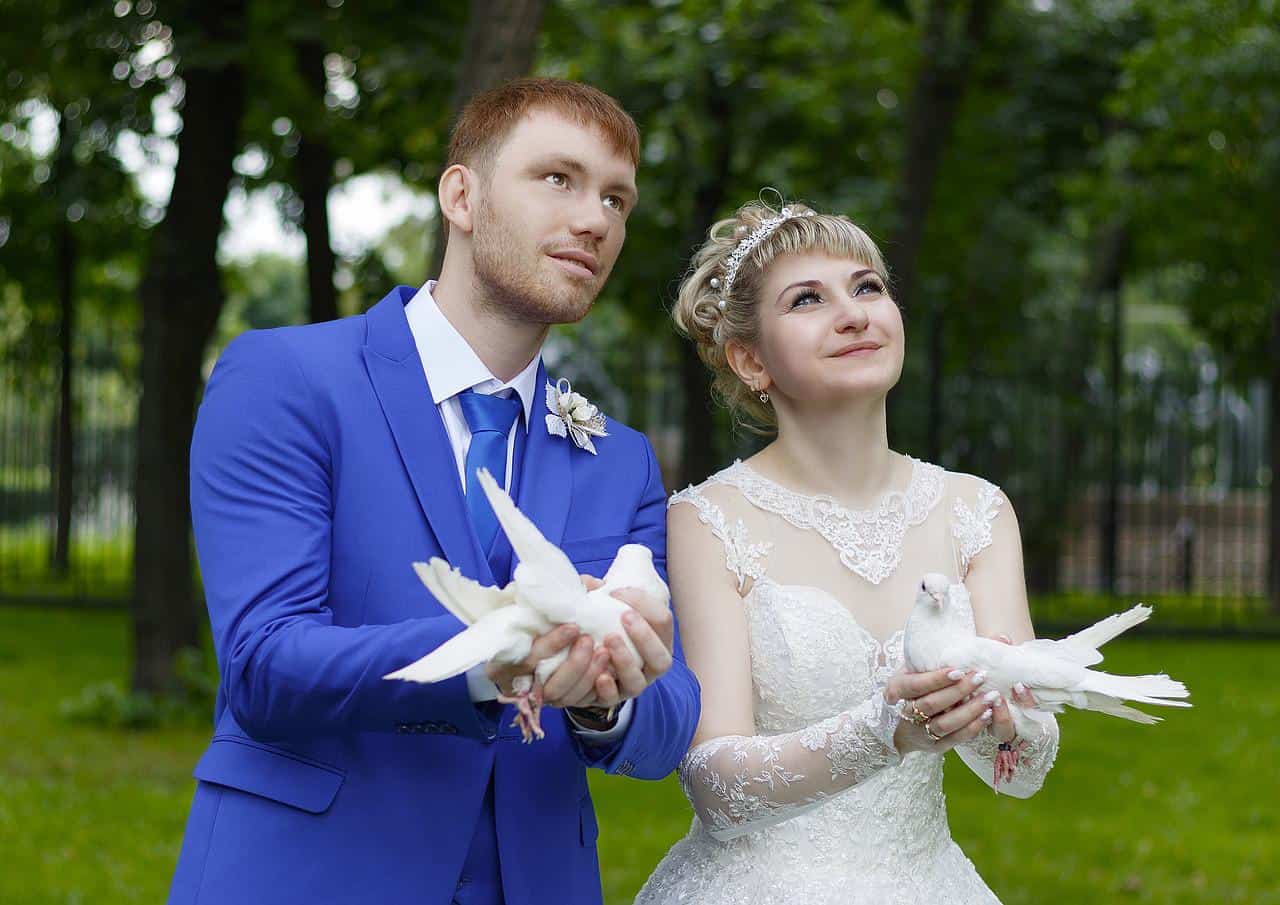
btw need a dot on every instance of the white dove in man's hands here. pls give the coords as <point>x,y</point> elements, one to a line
<point>940,633</point>
<point>545,592</point>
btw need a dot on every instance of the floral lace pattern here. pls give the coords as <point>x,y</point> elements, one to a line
<point>743,558</point>
<point>739,784</point>
<point>972,527</point>
<point>869,541</point>
<point>817,807</point>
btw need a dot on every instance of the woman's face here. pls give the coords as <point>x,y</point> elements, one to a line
<point>829,331</point>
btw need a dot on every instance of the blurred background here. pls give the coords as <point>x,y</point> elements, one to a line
<point>1079,201</point>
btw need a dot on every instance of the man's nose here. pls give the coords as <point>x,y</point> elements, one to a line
<point>589,218</point>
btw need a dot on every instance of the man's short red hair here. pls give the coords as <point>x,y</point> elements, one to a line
<point>489,117</point>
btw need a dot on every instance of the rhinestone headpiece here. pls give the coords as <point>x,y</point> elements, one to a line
<point>746,246</point>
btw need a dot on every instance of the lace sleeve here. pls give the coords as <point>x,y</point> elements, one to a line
<point>1036,753</point>
<point>738,784</point>
<point>743,558</point>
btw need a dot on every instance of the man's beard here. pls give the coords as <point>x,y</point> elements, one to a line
<point>516,288</point>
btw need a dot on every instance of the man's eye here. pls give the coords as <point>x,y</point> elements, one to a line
<point>615,202</point>
<point>557,179</point>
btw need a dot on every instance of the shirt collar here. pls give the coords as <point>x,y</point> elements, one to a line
<point>452,366</point>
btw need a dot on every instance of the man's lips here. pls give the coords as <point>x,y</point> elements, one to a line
<point>858,349</point>
<point>577,261</point>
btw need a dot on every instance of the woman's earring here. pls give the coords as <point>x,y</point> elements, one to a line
<point>764,397</point>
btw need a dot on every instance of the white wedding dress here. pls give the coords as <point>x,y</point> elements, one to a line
<point>818,807</point>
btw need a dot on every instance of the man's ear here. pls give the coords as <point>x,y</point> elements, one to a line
<point>747,365</point>
<point>457,196</point>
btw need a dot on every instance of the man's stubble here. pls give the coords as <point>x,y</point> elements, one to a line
<point>514,287</point>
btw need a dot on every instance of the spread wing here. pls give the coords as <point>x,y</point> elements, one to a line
<point>469,600</point>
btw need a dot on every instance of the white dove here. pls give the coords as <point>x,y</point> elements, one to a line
<point>939,633</point>
<point>545,592</point>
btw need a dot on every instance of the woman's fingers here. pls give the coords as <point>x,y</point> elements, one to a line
<point>962,715</point>
<point>911,686</point>
<point>946,698</point>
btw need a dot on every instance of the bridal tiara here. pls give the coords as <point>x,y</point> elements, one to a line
<point>748,245</point>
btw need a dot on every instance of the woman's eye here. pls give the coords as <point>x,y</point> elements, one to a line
<point>804,299</point>
<point>559,180</point>
<point>873,287</point>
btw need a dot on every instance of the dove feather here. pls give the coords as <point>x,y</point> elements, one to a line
<point>505,635</point>
<point>546,579</point>
<point>469,600</point>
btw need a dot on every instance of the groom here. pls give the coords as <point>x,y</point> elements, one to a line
<point>329,457</point>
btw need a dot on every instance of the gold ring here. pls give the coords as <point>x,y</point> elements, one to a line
<point>916,715</point>
<point>929,732</point>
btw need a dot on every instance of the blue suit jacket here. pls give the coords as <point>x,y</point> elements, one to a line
<point>320,469</point>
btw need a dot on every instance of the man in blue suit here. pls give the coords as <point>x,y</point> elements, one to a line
<point>327,458</point>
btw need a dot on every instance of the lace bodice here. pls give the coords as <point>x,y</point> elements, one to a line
<point>826,591</point>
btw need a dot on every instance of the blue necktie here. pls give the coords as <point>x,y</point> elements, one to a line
<point>490,419</point>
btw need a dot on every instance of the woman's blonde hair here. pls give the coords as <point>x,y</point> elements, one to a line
<point>712,317</point>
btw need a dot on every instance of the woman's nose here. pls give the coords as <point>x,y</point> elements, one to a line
<point>853,317</point>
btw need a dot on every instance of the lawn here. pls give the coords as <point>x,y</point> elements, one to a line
<point>1184,812</point>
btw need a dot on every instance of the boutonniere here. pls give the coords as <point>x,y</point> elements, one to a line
<point>573,416</point>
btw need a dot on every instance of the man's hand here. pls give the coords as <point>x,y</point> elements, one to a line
<point>573,682</point>
<point>652,630</point>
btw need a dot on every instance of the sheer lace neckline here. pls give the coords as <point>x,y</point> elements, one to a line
<point>868,541</point>
<point>889,499</point>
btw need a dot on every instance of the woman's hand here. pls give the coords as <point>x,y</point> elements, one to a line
<point>938,712</point>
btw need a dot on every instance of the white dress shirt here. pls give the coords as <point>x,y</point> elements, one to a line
<point>452,368</point>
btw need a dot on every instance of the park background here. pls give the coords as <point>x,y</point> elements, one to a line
<point>1079,201</point>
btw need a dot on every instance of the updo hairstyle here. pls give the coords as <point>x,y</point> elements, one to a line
<point>698,314</point>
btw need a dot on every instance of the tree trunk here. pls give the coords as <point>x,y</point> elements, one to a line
<point>1273,544</point>
<point>64,433</point>
<point>63,426</point>
<point>1111,505</point>
<point>699,459</point>
<point>940,85</point>
<point>181,297</point>
<point>1067,476</point>
<point>502,38</point>
<point>314,175</point>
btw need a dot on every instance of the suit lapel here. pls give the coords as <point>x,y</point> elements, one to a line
<point>546,478</point>
<point>401,386</point>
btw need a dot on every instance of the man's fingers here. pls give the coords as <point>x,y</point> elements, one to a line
<point>651,610</point>
<point>583,693</point>
<point>655,656</point>
<point>568,673</point>
<point>1001,721</point>
<point>629,670</point>
<point>546,646</point>
<point>607,690</point>
<point>590,582</point>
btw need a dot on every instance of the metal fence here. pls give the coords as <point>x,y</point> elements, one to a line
<point>1157,493</point>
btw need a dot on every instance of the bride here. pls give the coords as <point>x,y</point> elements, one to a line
<point>815,773</point>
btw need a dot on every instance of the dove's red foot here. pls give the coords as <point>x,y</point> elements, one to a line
<point>528,706</point>
<point>1006,764</point>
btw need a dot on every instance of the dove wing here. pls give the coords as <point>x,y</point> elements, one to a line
<point>545,575</point>
<point>469,600</point>
<point>505,635</point>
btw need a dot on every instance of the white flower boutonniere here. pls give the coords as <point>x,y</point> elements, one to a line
<point>573,416</point>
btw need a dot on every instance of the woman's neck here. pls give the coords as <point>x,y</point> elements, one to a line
<point>841,452</point>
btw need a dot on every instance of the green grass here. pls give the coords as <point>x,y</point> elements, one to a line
<point>1183,812</point>
<point>100,568</point>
